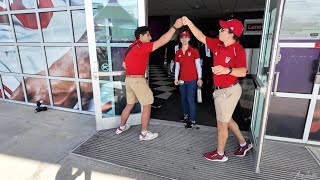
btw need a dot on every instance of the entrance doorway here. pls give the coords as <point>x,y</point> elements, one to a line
<point>167,104</point>
<point>111,28</point>
<point>263,72</point>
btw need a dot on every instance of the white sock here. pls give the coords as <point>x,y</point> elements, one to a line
<point>242,145</point>
<point>122,127</point>
<point>221,154</point>
<point>144,132</point>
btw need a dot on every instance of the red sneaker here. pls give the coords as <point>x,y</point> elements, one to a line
<point>214,156</point>
<point>241,152</point>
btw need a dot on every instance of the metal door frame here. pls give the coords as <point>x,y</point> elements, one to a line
<point>100,124</point>
<point>274,58</point>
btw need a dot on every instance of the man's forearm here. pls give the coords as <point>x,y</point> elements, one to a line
<point>197,33</point>
<point>167,36</point>
<point>239,72</point>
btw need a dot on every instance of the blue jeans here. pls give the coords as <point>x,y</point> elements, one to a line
<point>188,95</point>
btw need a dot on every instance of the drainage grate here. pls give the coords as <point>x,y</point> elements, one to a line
<point>177,154</point>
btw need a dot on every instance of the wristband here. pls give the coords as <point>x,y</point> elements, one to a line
<point>174,27</point>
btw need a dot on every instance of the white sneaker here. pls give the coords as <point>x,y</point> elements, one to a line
<point>148,136</point>
<point>126,127</point>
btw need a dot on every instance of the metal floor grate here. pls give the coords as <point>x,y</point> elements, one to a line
<point>177,154</point>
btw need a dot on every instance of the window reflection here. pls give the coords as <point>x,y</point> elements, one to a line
<point>6,32</point>
<point>1,89</point>
<point>51,3</point>
<point>117,55</point>
<point>26,27</point>
<point>55,26</point>
<point>20,5</point>
<point>315,125</point>
<point>3,5</point>
<point>285,121</point>
<point>64,93</point>
<point>32,60</point>
<point>116,21</point>
<point>10,85</point>
<point>102,57</point>
<point>291,78</point>
<point>77,2</point>
<point>60,61</point>
<point>83,62</point>
<point>40,86</point>
<point>86,96</point>
<point>9,61</point>
<point>113,99</point>
<point>79,26</point>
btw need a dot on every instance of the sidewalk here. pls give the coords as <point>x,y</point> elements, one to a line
<point>46,145</point>
<point>37,146</point>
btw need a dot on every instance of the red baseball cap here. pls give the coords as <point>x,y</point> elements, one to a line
<point>185,33</point>
<point>234,25</point>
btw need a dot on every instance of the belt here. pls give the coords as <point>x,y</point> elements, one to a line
<point>217,87</point>
<point>135,76</point>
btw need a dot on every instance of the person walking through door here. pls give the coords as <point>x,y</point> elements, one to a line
<point>229,64</point>
<point>169,55</point>
<point>137,89</point>
<point>188,73</point>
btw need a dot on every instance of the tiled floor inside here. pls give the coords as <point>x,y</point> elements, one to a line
<point>161,85</point>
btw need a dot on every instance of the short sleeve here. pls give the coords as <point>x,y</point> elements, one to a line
<point>241,58</point>
<point>196,54</point>
<point>212,43</point>
<point>147,47</point>
<point>176,58</point>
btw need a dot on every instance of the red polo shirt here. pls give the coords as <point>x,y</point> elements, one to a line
<point>188,70</point>
<point>231,56</point>
<point>138,57</point>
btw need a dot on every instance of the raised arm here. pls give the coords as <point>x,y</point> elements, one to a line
<point>167,36</point>
<point>195,31</point>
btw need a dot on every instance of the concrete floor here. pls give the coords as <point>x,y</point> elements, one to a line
<point>37,146</point>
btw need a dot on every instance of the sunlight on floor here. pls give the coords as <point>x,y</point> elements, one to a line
<point>16,168</point>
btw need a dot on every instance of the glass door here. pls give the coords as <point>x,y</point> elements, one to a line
<point>294,110</point>
<point>110,29</point>
<point>264,78</point>
<point>261,78</point>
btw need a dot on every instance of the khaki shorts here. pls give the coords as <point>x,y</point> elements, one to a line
<point>137,89</point>
<point>225,101</point>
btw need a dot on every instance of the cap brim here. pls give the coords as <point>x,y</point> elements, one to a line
<point>223,24</point>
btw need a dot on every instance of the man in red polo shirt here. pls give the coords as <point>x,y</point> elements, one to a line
<point>137,89</point>
<point>229,64</point>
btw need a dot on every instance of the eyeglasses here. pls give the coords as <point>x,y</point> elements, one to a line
<point>228,30</point>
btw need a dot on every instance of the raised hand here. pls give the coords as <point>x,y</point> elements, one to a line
<point>185,20</point>
<point>178,23</point>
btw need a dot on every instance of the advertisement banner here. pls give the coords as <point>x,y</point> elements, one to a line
<point>301,20</point>
<point>118,18</point>
<point>253,27</point>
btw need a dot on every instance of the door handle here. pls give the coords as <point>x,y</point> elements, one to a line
<point>276,83</point>
<point>95,75</point>
<point>278,56</point>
